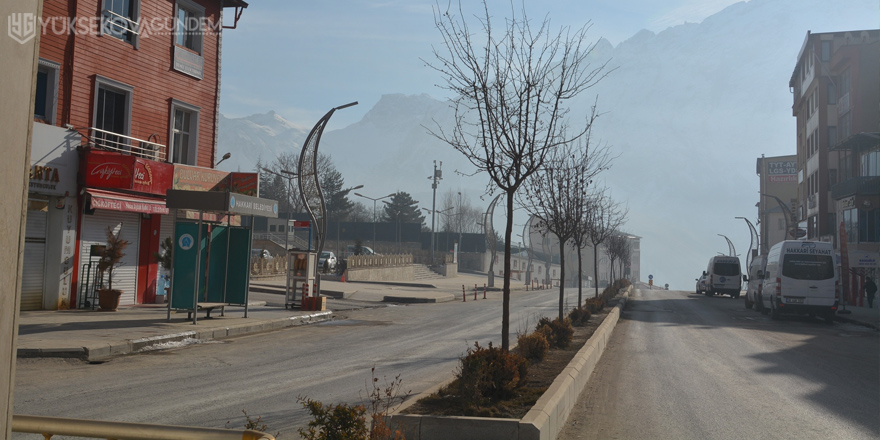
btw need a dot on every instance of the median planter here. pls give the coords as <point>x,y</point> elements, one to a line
<point>544,420</point>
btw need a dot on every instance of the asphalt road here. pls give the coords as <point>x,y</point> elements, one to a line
<point>684,366</point>
<point>210,384</point>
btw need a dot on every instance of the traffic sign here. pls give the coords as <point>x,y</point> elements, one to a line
<point>650,277</point>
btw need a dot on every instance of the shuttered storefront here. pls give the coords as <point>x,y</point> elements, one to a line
<point>94,231</point>
<point>33,272</point>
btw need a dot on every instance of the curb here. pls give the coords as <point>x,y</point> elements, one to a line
<point>546,418</point>
<point>416,300</point>
<point>103,352</point>
<point>856,322</point>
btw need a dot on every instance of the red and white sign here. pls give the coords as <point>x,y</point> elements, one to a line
<point>126,203</point>
<point>107,170</point>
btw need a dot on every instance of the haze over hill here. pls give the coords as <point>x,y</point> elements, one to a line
<point>688,111</point>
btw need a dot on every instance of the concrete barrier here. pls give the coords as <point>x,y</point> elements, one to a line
<point>543,422</point>
<point>389,273</point>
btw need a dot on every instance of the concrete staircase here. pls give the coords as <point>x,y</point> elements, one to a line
<point>421,272</point>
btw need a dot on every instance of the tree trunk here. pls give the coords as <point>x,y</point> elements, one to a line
<point>505,291</point>
<point>580,276</point>
<point>561,277</point>
<point>596,268</point>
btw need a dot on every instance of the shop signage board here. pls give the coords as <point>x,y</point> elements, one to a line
<point>119,171</point>
<point>190,178</point>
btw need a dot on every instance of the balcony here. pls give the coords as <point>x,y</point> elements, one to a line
<point>862,186</point>
<point>108,140</point>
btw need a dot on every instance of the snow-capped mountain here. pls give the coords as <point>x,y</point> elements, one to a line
<point>688,110</point>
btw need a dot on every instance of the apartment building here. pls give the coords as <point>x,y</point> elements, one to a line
<point>836,91</point>
<point>127,96</point>
<point>778,199</point>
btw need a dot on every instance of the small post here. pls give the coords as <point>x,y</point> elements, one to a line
<point>475,292</point>
<point>484,291</point>
<point>463,294</point>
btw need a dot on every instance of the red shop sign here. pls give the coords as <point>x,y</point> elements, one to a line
<point>108,170</point>
<point>152,177</point>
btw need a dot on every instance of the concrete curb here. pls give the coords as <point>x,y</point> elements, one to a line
<point>546,418</point>
<point>416,300</point>
<point>845,319</point>
<point>103,352</point>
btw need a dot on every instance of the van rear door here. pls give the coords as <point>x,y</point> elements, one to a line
<point>808,278</point>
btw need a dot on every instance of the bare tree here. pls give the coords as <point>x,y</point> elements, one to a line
<point>510,96</point>
<point>557,196</point>
<point>603,218</point>
<point>616,247</point>
<point>460,214</point>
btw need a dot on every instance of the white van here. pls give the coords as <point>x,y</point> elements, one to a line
<point>801,277</point>
<point>723,276</point>
<point>755,280</point>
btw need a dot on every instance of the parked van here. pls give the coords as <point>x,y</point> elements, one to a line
<point>724,276</point>
<point>755,280</point>
<point>801,277</point>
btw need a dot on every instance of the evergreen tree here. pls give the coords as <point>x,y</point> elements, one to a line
<point>402,208</point>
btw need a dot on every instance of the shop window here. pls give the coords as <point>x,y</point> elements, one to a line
<point>46,93</point>
<point>189,32</point>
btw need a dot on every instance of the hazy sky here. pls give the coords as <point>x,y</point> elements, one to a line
<point>303,58</point>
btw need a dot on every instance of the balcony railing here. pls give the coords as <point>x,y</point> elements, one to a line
<point>127,144</point>
<point>51,426</point>
<point>862,185</point>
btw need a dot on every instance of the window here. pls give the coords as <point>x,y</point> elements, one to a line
<point>870,163</point>
<point>190,17</point>
<point>832,135</point>
<point>112,113</point>
<point>851,224</point>
<point>825,51</point>
<point>844,126</point>
<point>808,267</point>
<point>46,93</point>
<point>832,94</point>
<point>184,132</point>
<point>120,19</point>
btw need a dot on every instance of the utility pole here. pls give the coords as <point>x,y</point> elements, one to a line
<point>436,178</point>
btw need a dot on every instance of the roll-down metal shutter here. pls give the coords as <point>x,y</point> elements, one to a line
<point>34,271</point>
<point>94,231</point>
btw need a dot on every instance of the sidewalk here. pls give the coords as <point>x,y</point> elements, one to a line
<point>95,336</point>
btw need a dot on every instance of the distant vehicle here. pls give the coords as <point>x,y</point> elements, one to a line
<point>724,276</point>
<point>327,262</point>
<point>801,277</point>
<point>701,284</point>
<point>350,250</point>
<point>755,281</point>
<point>261,253</point>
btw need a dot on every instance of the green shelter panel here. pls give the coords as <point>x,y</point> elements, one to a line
<point>186,251</point>
<point>238,265</point>
<point>217,263</point>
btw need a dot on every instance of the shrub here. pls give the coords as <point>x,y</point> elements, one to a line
<point>532,346</point>
<point>558,333</point>
<point>579,316</point>
<point>595,305</point>
<point>490,373</point>
<point>334,422</point>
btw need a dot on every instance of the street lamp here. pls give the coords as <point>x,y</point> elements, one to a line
<point>374,212</point>
<point>225,156</point>
<point>344,193</point>
<point>398,209</point>
<point>730,247</point>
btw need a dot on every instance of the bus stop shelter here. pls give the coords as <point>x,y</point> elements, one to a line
<point>211,257</point>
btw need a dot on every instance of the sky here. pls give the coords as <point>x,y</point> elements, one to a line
<point>303,58</point>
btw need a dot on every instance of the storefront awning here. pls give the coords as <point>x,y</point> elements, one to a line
<point>114,201</point>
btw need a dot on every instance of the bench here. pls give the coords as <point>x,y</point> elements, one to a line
<point>208,307</point>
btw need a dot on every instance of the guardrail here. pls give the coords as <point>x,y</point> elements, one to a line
<point>51,426</point>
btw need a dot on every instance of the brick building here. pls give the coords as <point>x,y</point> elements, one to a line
<point>127,97</point>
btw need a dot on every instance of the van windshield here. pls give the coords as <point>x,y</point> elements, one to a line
<point>726,269</point>
<point>808,267</point>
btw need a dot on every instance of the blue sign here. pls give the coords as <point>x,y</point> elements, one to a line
<point>650,277</point>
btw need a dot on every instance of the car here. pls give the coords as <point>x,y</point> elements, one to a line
<point>350,250</point>
<point>701,284</point>
<point>327,262</point>
<point>261,254</point>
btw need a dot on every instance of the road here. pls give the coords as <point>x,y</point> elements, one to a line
<point>210,384</point>
<point>684,366</point>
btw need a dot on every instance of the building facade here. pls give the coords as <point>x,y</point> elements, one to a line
<point>126,102</point>
<point>836,88</point>
<point>778,200</point>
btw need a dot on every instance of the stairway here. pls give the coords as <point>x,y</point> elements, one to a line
<point>422,272</point>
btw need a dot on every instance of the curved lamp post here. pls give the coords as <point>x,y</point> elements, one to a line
<point>310,185</point>
<point>730,248</point>
<point>753,244</point>
<point>374,213</point>
<point>489,232</point>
